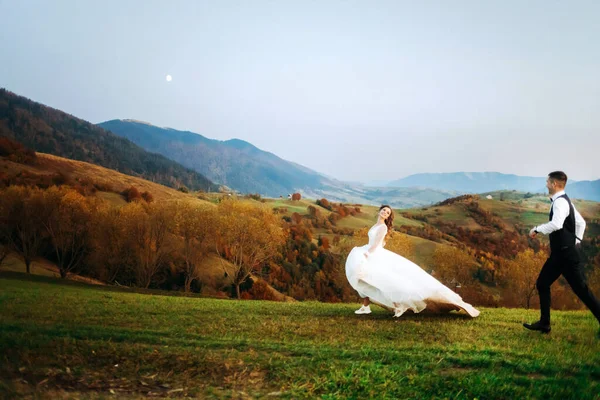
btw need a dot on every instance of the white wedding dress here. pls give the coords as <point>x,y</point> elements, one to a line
<point>396,283</point>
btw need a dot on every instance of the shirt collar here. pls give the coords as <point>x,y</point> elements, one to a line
<point>557,195</point>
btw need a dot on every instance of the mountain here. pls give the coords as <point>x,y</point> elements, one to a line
<point>588,190</point>
<point>483,182</point>
<point>48,130</point>
<point>248,169</point>
<point>472,182</point>
<point>235,163</point>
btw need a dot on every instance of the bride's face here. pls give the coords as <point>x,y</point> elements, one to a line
<point>385,212</point>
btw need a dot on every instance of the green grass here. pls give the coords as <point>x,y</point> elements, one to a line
<point>72,340</point>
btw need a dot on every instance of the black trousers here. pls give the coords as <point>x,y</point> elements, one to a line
<point>565,262</point>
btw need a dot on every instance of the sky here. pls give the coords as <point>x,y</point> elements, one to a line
<point>365,91</point>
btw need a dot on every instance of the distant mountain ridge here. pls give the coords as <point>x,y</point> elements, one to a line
<point>482,182</point>
<point>235,163</point>
<point>248,169</point>
<point>472,182</point>
<point>47,130</point>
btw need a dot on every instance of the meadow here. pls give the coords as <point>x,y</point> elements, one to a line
<point>63,339</point>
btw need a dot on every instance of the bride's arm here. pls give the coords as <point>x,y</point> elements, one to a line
<point>379,236</point>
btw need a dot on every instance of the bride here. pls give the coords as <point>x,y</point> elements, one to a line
<point>393,282</point>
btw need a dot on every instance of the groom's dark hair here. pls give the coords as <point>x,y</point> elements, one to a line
<point>558,176</point>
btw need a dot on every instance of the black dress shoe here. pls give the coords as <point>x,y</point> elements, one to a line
<point>538,326</point>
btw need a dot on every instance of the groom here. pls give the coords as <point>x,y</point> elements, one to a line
<point>566,227</point>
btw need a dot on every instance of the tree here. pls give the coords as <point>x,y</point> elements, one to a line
<point>401,244</point>
<point>452,265</point>
<point>296,196</point>
<point>67,221</point>
<point>195,226</point>
<point>594,276</point>
<point>148,227</point>
<point>111,242</point>
<point>247,236</point>
<point>21,209</point>
<point>520,274</point>
<point>131,194</point>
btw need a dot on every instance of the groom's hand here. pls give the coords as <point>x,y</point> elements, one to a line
<point>532,233</point>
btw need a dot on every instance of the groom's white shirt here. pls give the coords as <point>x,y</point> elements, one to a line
<point>560,209</point>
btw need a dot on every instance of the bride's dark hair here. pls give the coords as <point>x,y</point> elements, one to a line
<point>389,222</point>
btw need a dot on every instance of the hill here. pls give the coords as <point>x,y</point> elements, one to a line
<point>51,131</point>
<point>235,163</point>
<point>108,182</point>
<point>97,342</point>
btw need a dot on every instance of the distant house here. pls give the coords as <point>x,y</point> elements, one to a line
<point>489,197</point>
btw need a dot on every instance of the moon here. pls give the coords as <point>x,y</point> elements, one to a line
<point>169,78</point>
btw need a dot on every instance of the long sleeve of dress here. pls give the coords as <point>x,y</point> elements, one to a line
<point>377,241</point>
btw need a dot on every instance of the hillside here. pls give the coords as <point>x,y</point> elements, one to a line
<point>235,163</point>
<point>51,131</point>
<point>109,182</point>
<point>128,345</point>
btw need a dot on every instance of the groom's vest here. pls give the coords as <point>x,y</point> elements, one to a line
<point>564,237</point>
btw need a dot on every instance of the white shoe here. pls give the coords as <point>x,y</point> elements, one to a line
<point>363,310</point>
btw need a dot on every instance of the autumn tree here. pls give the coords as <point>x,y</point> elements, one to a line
<point>195,227</point>
<point>20,211</point>
<point>247,236</point>
<point>324,203</point>
<point>296,196</point>
<point>111,242</point>
<point>68,223</point>
<point>402,244</point>
<point>594,276</point>
<point>4,251</point>
<point>452,265</point>
<point>148,227</point>
<point>131,194</point>
<point>520,274</point>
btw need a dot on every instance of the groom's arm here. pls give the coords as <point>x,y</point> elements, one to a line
<point>560,210</point>
<point>579,226</point>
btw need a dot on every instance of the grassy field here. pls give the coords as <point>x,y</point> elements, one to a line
<point>69,340</point>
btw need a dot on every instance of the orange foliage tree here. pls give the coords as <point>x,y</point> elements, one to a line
<point>147,227</point>
<point>520,274</point>
<point>20,211</point>
<point>195,226</point>
<point>67,219</point>
<point>247,236</point>
<point>452,265</point>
